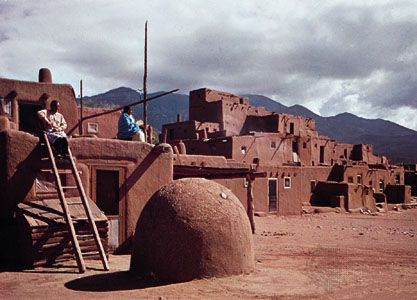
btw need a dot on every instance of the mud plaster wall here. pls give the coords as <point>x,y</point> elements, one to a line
<point>106,125</point>
<point>33,92</point>
<point>147,169</point>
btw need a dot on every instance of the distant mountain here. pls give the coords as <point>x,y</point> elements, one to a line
<point>395,141</point>
<point>160,111</point>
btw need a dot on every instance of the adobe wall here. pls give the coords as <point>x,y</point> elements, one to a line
<point>263,147</point>
<point>39,93</point>
<point>102,127</point>
<point>146,169</point>
<point>20,162</point>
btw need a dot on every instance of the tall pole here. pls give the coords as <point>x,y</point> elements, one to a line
<point>145,77</point>
<point>80,129</point>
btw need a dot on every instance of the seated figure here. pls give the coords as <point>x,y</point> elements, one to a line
<point>128,129</point>
<point>54,125</point>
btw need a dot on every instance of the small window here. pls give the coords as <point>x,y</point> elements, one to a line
<point>243,149</point>
<point>359,179</point>
<point>304,145</point>
<point>397,178</point>
<point>313,184</point>
<point>92,127</point>
<point>381,186</point>
<point>370,182</point>
<point>6,107</point>
<point>273,144</point>
<point>287,182</point>
<point>350,179</point>
<point>312,163</point>
<point>345,153</point>
<point>291,128</point>
<point>245,183</point>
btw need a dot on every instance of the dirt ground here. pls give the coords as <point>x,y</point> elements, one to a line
<point>320,256</point>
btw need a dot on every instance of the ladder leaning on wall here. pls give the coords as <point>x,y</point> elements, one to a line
<point>67,216</point>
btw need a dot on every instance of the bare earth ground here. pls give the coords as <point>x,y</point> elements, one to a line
<point>318,256</point>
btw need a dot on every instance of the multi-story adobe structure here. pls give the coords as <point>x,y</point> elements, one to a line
<point>118,176</point>
<point>302,166</point>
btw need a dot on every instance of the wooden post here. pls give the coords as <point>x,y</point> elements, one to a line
<point>250,202</point>
<point>145,77</point>
<point>80,128</point>
<point>165,136</point>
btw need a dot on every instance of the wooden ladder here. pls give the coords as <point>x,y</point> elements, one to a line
<point>67,216</point>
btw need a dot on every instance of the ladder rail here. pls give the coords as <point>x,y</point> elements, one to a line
<point>89,214</point>
<point>67,216</point>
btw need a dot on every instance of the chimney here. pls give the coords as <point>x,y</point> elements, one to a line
<point>45,75</point>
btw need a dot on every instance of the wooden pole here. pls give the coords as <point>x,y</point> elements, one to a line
<point>145,77</point>
<point>80,128</point>
<point>250,203</point>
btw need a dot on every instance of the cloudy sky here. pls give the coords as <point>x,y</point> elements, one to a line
<point>330,56</point>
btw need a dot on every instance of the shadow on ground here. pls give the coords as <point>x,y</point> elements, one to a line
<point>116,281</point>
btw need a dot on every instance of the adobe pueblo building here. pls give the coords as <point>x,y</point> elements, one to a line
<point>118,176</point>
<point>302,167</point>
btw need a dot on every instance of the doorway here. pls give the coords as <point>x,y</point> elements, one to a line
<point>272,194</point>
<point>106,183</point>
<point>322,154</point>
<point>28,118</point>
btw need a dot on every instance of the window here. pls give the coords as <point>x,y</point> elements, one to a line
<point>345,153</point>
<point>381,186</point>
<point>92,127</point>
<point>350,179</point>
<point>304,145</point>
<point>313,184</point>
<point>359,179</point>
<point>243,149</point>
<point>397,178</point>
<point>291,128</point>
<point>273,145</point>
<point>6,105</point>
<point>287,182</point>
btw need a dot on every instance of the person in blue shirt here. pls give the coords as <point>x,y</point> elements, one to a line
<point>128,129</point>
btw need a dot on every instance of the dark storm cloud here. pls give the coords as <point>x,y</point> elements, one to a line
<point>328,55</point>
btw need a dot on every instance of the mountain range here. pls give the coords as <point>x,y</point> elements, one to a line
<point>396,142</point>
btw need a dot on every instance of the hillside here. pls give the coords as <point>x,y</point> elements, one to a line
<point>395,141</point>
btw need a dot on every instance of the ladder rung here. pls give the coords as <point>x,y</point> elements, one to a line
<point>67,187</point>
<point>85,235</point>
<point>60,171</point>
<point>74,203</point>
<point>91,253</point>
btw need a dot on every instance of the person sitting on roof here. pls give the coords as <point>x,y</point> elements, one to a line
<point>128,129</point>
<point>54,125</point>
